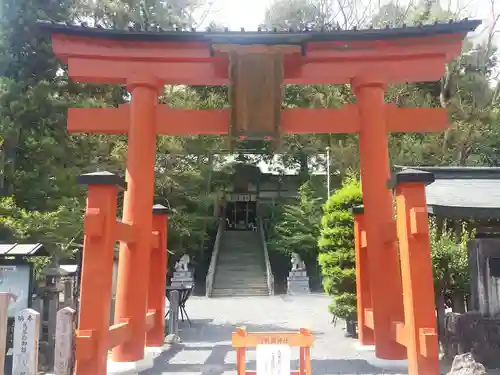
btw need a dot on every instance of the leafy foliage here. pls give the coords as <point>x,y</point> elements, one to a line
<point>450,260</point>
<point>336,245</point>
<point>296,229</point>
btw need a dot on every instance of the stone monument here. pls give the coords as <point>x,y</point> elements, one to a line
<point>63,356</point>
<point>298,281</point>
<point>26,331</point>
<point>182,275</point>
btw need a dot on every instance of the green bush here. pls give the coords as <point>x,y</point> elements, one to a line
<point>450,262</point>
<point>336,246</point>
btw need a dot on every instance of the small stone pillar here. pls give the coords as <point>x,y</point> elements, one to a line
<point>297,280</point>
<point>182,275</point>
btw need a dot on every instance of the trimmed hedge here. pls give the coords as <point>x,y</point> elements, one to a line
<point>336,246</point>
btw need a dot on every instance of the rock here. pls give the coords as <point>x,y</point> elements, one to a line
<point>465,364</point>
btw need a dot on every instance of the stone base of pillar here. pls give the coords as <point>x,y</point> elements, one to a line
<point>298,282</point>
<point>135,368</point>
<point>182,278</point>
<point>364,348</point>
<point>390,366</point>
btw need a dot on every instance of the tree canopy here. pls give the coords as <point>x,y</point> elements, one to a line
<point>39,160</point>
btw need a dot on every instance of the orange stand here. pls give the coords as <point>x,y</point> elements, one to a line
<point>241,340</point>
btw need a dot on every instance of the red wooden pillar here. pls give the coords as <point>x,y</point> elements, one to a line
<point>363,291</point>
<point>133,267</point>
<point>97,272</point>
<point>158,276</point>
<point>416,269</point>
<point>379,216</point>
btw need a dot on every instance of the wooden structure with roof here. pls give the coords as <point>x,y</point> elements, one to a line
<point>470,194</point>
<point>399,307</point>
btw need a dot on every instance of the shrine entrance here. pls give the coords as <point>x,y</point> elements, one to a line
<point>241,215</point>
<point>395,307</point>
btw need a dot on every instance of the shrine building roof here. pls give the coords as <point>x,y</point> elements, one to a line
<point>463,192</point>
<point>22,250</point>
<point>290,37</point>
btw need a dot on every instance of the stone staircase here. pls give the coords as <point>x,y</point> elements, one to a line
<point>240,269</point>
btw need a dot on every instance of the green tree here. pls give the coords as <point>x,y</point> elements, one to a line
<point>57,230</point>
<point>450,267</point>
<point>336,246</point>
<point>297,228</point>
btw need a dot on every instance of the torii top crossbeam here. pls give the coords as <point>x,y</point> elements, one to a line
<point>256,65</point>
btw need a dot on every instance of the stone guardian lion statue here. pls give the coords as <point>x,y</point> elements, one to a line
<point>297,263</point>
<point>183,263</point>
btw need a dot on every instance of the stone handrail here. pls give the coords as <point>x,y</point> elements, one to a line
<point>213,262</point>
<point>269,272</point>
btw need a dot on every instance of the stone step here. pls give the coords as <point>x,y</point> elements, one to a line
<point>236,277</point>
<point>239,266</point>
<point>230,281</point>
<point>239,293</point>
<point>245,250</point>
<point>238,252</point>
<point>238,255</point>
<point>240,258</point>
<point>240,287</point>
<point>238,281</point>
<point>242,272</point>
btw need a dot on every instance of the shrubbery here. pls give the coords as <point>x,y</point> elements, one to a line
<point>336,246</point>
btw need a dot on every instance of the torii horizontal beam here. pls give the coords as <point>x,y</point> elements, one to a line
<point>186,122</point>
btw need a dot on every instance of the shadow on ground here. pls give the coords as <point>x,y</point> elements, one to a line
<point>204,330</point>
<point>206,349</point>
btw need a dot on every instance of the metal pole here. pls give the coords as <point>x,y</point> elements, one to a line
<point>328,171</point>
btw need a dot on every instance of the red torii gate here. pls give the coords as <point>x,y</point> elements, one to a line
<point>256,65</point>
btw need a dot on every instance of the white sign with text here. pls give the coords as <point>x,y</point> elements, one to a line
<point>273,359</point>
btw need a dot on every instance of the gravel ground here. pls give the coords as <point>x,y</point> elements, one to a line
<point>205,348</point>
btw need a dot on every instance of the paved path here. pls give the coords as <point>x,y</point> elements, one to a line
<point>206,347</point>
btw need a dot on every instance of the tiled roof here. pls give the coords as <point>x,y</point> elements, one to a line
<point>481,193</point>
<point>464,192</point>
<point>291,36</point>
